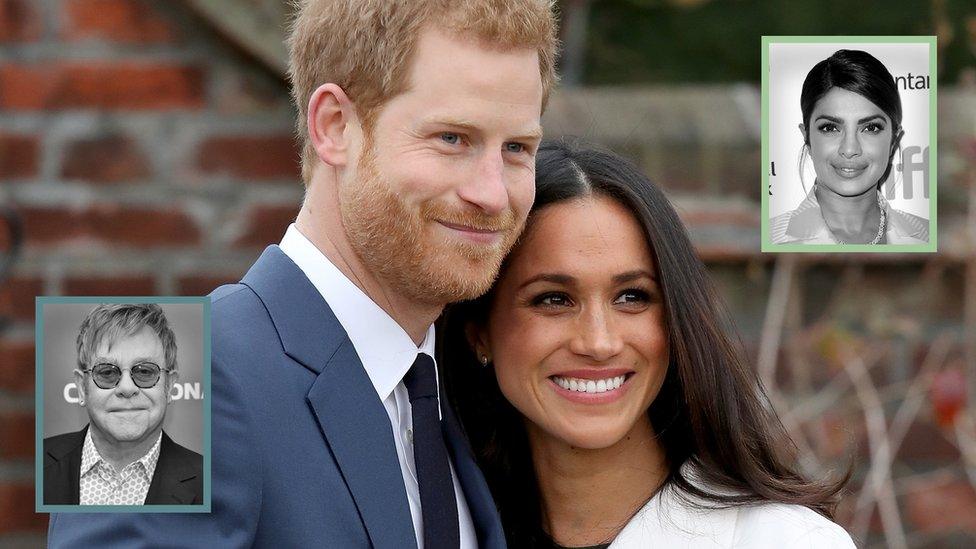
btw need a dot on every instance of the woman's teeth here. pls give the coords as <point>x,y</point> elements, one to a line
<point>589,385</point>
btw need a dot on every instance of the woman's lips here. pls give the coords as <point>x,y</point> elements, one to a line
<point>849,172</point>
<point>592,386</point>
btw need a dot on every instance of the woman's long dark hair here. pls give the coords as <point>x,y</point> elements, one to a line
<point>711,410</point>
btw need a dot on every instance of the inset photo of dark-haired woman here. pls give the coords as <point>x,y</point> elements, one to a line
<point>848,144</point>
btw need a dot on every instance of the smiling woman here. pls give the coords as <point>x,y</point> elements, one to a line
<point>601,391</point>
<point>852,127</point>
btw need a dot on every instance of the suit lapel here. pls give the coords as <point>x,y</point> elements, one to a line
<point>358,430</point>
<point>64,484</point>
<point>345,404</point>
<point>484,514</point>
<point>169,483</point>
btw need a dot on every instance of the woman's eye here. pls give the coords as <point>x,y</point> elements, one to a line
<point>827,128</point>
<point>450,138</point>
<point>551,300</point>
<point>633,296</point>
<point>874,128</point>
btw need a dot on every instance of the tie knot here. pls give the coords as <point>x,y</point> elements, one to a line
<point>421,380</point>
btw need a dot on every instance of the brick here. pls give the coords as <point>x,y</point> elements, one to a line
<point>109,285</point>
<point>204,284</point>
<point>250,157</point>
<point>942,508</point>
<point>113,224</point>
<point>17,297</point>
<point>123,21</point>
<point>19,21</point>
<point>17,509</point>
<point>17,434</point>
<point>18,156</point>
<point>124,85</point>
<point>45,225</point>
<point>266,224</point>
<point>106,159</point>
<point>17,366</point>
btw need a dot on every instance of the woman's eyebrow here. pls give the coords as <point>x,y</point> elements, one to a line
<point>630,276</point>
<point>556,278</point>
<point>861,121</point>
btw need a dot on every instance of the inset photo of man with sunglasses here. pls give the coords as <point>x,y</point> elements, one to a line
<point>122,408</point>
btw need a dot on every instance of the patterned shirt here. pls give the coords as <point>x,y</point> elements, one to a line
<point>101,484</point>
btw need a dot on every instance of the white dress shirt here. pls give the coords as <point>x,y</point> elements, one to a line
<point>387,353</point>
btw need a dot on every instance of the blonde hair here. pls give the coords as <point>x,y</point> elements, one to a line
<point>365,46</point>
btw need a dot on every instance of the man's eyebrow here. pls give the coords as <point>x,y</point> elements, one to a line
<point>861,121</point>
<point>533,134</point>
<point>112,361</point>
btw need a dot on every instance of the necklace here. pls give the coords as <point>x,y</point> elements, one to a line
<point>881,224</point>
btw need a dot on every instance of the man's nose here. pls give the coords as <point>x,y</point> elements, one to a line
<point>126,387</point>
<point>485,187</point>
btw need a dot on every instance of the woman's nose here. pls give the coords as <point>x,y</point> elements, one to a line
<point>597,336</point>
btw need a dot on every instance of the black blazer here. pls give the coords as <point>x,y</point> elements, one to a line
<point>177,480</point>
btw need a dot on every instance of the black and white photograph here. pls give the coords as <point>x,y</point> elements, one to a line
<point>122,404</point>
<point>849,144</point>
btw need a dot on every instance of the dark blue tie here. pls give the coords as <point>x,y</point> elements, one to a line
<point>438,506</point>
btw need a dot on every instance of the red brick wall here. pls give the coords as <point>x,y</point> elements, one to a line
<point>144,156</point>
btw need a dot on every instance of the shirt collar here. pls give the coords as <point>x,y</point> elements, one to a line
<point>384,348</point>
<point>90,457</point>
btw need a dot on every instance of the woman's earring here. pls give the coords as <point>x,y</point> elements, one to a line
<point>484,361</point>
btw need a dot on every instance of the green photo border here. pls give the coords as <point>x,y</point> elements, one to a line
<point>39,505</point>
<point>932,246</point>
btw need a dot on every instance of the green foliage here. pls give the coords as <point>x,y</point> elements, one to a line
<point>657,41</point>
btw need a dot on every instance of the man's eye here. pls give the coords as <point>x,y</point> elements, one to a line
<point>450,138</point>
<point>514,147</point>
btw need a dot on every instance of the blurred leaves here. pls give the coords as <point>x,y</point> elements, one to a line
<point>665,41</point>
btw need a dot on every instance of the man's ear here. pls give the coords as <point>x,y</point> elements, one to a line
<point>330,115</point>
<point>477,338</point>
<point>171,379</point>
<point>82,390</point>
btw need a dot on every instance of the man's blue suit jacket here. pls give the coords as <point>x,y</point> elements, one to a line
<point>302,447</point>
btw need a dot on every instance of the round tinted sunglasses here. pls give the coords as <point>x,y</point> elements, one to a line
<point>107,376</point>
